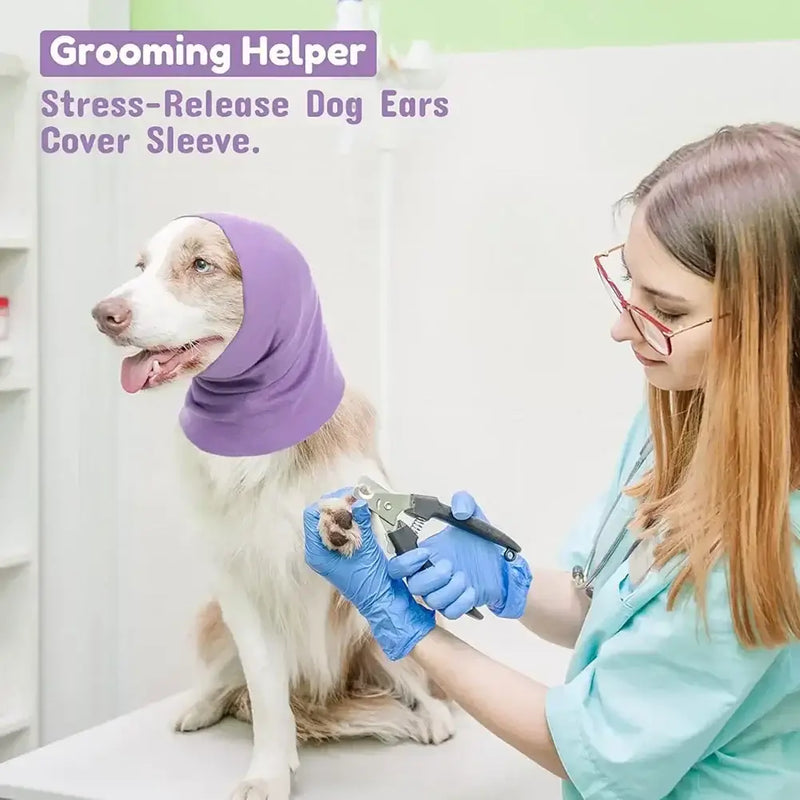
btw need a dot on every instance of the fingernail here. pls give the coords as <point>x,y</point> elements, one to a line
<point>461,505</point>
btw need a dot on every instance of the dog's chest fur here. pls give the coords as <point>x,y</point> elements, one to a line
<point>251,513</point>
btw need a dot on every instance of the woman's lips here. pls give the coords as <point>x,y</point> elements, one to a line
<point>648,362</point>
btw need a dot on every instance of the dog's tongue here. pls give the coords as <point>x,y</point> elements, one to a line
<point>136,370</point>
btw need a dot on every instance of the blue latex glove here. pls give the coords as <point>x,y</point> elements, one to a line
<point>467,570</point>
<point>397,621</point>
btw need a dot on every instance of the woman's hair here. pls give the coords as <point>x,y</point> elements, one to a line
<point>727,455</point>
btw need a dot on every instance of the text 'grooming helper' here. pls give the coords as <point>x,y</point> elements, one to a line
<point>420,509</point>
<point>584,576</point>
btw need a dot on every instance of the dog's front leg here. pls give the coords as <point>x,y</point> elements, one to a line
<point>263,658</point>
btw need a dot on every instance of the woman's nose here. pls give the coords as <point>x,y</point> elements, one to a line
<point>623,329</point>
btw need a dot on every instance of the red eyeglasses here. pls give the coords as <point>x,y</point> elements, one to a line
<point>656,333</point>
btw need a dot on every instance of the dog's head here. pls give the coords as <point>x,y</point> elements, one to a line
<point>182,308</point>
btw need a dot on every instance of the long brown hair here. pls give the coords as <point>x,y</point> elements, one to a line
<point>727,454</point>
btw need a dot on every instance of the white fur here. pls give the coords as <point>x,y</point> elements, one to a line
<point>159,317</point>
<point>276,608</point>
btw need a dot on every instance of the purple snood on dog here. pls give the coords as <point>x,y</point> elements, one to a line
<point>277,381</point>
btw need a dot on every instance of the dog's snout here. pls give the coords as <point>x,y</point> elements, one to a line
<point>112,315</point>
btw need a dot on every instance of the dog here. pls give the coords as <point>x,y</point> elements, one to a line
<point>278,646</point>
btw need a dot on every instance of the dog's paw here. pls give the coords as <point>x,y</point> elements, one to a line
<point>436,722</point>
<point>254,790</point>
<point>337,528</point>
<point>263,788</point>
<point>202,714</point>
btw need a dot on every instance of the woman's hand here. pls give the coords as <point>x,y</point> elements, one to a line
<point>397,621</point>
<point>467,570</point>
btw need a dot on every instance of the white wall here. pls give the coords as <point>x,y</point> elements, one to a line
<point>499,367</point>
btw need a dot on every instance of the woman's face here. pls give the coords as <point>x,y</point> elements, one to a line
<point>665,289</point>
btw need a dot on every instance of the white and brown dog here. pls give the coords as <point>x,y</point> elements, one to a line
<point>280,647</point>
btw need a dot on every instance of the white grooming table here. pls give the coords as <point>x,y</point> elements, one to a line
<point>139,757</point>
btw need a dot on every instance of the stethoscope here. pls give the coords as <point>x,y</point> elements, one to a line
<point>584,576</point>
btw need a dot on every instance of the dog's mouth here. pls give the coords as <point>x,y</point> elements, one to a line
<point>150,368</point>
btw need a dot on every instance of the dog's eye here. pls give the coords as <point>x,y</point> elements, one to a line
<point>140,265</point>
<point>201,265</point>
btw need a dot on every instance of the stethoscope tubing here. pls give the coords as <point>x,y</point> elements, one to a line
<point>579,574</point>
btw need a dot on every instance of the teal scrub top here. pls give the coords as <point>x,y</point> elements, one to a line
<point>651,706</point>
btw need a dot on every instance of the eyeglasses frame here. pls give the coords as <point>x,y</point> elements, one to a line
<point>667,332</point>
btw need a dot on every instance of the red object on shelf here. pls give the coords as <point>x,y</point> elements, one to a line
<point>3,318</point>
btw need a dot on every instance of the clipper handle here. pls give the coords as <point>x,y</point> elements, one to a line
<point>403,539</point>
<point>431,508</point>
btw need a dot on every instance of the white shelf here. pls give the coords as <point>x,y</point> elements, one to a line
<point>11,66</point>
<point>20,385</point>
<point>13,377</point>
<point>10,559</point>
<point>16,380</point>
<point>15,242</point>
<point>11,724</point>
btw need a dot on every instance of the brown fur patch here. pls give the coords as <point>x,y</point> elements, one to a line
<point>212,632</point>
<point>352,429</point>
<point>205,240</point>
<point>238,705</point>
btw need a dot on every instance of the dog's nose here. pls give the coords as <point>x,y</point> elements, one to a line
<point>112,315</point>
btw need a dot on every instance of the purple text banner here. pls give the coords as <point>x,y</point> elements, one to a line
<point>208,54</point>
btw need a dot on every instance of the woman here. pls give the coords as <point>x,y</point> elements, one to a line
<point>685,678</point>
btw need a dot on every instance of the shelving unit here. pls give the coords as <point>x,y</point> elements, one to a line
<point>11,559</point>
<point>10,725</point>
<point>19,414</point>
<point>15,242</point>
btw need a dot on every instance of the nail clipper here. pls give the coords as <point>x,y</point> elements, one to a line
<point>420,508</point>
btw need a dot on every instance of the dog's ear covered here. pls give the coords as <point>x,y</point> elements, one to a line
<point>277,381</point>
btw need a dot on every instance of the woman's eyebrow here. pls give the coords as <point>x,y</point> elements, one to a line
<point>655,292</point>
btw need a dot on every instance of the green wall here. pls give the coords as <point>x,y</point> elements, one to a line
<point>486,25</point>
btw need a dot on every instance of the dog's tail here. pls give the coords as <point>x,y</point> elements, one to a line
<point>375,714</point>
